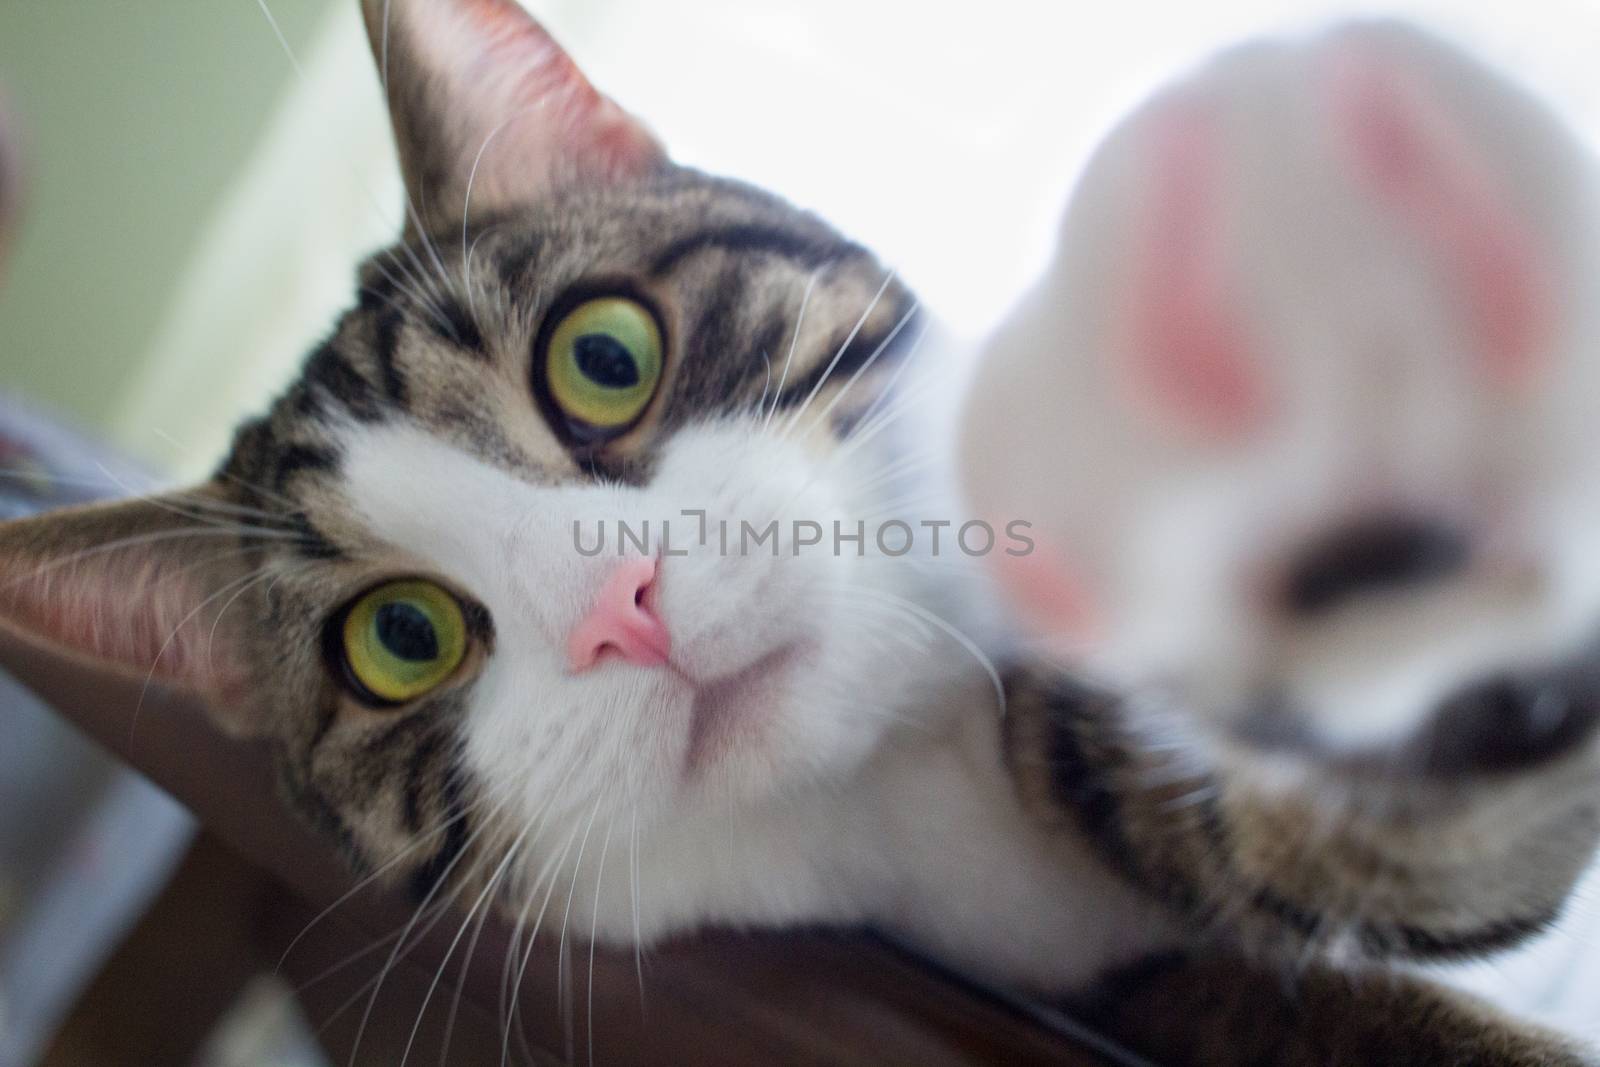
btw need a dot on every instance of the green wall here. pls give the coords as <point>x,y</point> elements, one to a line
<point>137,114</point>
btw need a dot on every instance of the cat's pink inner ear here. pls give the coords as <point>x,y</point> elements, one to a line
<point>150,609</point>
<point>1416,158</point>
<point>1189,351</point>
<point>483,96</point>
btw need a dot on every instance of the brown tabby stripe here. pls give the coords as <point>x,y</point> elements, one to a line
<point>514,264</point>
<point>310,542</point>
<point>385,342</point>
<point>327,716</point>
<point>324,817</point>
<point>457,832</point>
<point>377,291</point>
<point>715,359</point>
<point>769,343</point>
<point>329,372</point>
<point>895,341</point>
<point>298,458</point>
<point>750,238</point>
<point>457,327</point>
<point>1088,781</point>
<point>421,757</point>
<point>1472,943</point>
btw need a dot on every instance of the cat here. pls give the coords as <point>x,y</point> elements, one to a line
<point>392,578</point>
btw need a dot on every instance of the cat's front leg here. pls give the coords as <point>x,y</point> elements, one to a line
<point>1304,882</point>
<point>1282,850</point>
<point>1214,1010</point>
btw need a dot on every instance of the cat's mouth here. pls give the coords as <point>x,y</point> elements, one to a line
<point>729,708</point>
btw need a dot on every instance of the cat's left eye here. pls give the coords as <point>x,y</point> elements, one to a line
<point>602,365</point>
<point>402,640</point>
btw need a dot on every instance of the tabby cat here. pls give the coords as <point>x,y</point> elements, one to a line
<point>392,577</point>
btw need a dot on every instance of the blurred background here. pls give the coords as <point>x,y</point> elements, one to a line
<point>201,178</point>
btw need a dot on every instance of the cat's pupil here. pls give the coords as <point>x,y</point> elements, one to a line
<point>406,632</point>
<point>605,361</point>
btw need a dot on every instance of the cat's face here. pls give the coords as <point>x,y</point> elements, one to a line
<point>395,572</point>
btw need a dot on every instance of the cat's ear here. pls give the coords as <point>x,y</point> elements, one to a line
<point>140,587</point>
<point>489,112</point>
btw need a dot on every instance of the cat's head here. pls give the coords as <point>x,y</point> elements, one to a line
<point>410,572</point>
<point>1319,467</point>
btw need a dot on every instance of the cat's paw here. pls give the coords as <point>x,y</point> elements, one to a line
<point>1304,414</point>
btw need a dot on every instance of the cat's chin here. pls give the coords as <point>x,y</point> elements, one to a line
<point>728,712</point>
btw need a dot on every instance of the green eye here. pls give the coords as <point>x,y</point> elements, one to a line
<point>603,364</point>
<point>404,638</point>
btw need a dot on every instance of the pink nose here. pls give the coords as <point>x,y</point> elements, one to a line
<point>622,621</point>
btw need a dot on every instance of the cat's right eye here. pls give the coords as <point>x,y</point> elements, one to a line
<point>400,641</point>
<point>602,364</point>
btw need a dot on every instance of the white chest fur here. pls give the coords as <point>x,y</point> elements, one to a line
<point>926,842</point>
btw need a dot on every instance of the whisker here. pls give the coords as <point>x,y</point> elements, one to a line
<point>134,541</point>
<point>50,478</point>
<point>489,887</point>
<point>566,915</point>
<point>553,866</point>
<point>258,490</point>
<point>953,632</point>
<point>889,396</point>
<point>283,42</point>
<point>760,406</point>
<point>435,915</point>
<point>375,875</point>
<point>866,430</point>
<point>149,678</point>
<point>164,505</point>
<point>262,575</point>
<point>800,318</point>
<point>328,972</point>
<point>837,356</point>
<point>866,365</point>
<point>849,445</point>
<point>594,929</point>
<point>394,955</point>
<point>466,271</point>
<point>417,291</point>
<point>466,206</point>
<point>461,982</point>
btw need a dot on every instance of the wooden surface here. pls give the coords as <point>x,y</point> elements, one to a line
<point>719,998</point>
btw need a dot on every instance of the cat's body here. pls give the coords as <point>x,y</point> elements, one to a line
<point>388,579</point>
